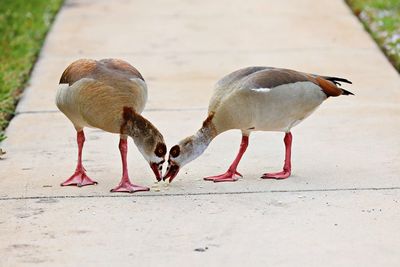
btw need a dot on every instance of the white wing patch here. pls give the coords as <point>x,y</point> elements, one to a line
<point>61,91</point>
<point>62,86</point>
<point>139,81</point>
<point>261,90</point>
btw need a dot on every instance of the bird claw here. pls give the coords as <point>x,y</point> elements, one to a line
<point>79,179</point>
<point>276,175</point>
<point>229,176</point>
<point>239,174</point>
<point>127,187</point>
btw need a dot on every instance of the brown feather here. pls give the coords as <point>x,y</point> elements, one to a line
<point>208,125</point>
<point>108,71</point>
<point>271,78</point>
<point>207,121</point>
<point>329,88</point>
<point>127,116</point>
<point>122,66</point>
<point>77,70</point>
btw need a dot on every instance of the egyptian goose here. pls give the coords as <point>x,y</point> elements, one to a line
<point>109,94</point>
<point>256,99</point>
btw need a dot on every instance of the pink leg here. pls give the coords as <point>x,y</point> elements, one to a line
<point>125,185</point>
<point>79,178</point>
<point>287,168</point>
<point>231,175</point>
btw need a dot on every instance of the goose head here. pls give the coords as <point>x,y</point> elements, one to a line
<point>184,152</point>
<point>153,149</point>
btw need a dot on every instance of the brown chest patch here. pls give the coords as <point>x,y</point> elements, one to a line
<point>127,116</point>
<point>208,125</point>
<point>208,121</point>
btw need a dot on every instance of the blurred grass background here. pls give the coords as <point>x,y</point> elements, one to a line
<point>23,26</point>
<point>381,18</point>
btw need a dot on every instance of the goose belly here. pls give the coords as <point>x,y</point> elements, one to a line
<point>282,107</point>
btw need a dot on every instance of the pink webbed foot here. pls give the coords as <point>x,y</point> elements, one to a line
<point>79,178</point>
<point>229,176</point>
<point>128,187</point>
<point>276,175</point>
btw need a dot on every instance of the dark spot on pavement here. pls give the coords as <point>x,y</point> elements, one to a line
<point>201,249</point>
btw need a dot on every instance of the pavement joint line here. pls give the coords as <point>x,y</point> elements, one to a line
<point>146,110</point>
<point>204,193</point>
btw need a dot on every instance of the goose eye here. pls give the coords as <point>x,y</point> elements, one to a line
<point>161,150</point>
<point>175,151</point>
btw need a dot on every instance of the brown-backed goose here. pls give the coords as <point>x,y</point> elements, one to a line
<point>256,99</point>
<point>109,94</point>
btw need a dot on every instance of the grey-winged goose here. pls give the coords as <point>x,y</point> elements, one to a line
<point>256,99</point>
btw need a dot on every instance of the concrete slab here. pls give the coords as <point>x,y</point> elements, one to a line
<point>186,27</point>
<point>346,156</point>
<point>355,228</point>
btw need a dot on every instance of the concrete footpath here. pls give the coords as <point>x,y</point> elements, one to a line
<point>341,207</point>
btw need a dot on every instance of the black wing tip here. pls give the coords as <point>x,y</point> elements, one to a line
<point>337,79</point>
<point>345,92</point>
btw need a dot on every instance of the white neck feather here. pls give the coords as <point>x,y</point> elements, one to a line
<point>201,140</point>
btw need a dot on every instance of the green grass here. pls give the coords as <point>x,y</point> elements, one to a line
<point>381,18</point>
<point>23,26</point>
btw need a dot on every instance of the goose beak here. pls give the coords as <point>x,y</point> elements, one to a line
<point>172,172</point>
<point>157,169</point>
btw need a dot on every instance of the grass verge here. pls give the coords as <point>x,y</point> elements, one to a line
<point>23,27</point>
<point>381,18</point>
